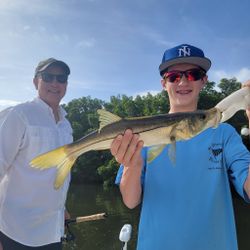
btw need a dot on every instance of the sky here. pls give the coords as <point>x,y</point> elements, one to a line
<point>114,47</point>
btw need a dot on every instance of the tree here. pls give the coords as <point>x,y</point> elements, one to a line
<point>108,172</point>
<point>82,115</point>
<point>228,86</point>
<point>209,97</point>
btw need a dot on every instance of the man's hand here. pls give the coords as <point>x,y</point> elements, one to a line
<point>66,215</point>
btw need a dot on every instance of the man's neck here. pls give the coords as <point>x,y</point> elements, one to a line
<point>56,113</point>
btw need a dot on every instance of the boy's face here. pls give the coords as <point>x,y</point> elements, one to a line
<point>183,93</point>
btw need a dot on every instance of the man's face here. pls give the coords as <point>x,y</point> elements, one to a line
<point>51,90</point>
<point>183,92</point>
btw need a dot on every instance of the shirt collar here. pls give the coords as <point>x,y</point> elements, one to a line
<point>44,105</point>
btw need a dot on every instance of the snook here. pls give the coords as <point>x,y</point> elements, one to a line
<point>153,130</point>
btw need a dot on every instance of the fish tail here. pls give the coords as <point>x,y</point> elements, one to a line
<point>50,159</point>
<point>63,171</point>
<point>61,158</point>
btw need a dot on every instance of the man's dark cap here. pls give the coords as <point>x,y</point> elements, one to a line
<point>43,65</point>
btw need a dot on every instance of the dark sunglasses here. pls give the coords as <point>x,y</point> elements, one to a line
<point>49,78</point>
<point>191,75</point>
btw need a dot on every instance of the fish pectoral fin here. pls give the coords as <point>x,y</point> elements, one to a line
<point>172,147</point>
<point>106,117</point>
<point>63,171</point>
<point>154,151</point>
<point>172,152</point>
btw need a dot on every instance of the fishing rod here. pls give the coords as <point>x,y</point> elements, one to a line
<point>124,236</point>
<point>69,236</point>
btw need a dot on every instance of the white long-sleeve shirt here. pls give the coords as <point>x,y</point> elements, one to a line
<point>31,210</point>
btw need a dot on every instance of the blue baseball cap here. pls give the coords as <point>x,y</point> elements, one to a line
<point>184,53</point>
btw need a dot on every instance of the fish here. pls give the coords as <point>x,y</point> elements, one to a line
<point>156,131</point>
<point>238,100</point>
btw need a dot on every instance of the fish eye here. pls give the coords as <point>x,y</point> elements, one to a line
<point>202,116</point>
<point>172,138</point>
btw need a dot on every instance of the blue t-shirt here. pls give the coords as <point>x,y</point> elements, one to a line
<point>187,204</point>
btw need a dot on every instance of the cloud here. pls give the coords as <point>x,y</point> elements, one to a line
<point>217,75</point>
<point>88,43</point>
<point>241,75</point>
<point>145,93</point>
<point>157,38</point>
<point>26,27</point>
<point>7,103</point>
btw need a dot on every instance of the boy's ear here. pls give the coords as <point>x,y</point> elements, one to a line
<point>163,83</point>
<point>204,81</point>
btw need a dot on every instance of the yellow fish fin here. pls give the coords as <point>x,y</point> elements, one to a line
<point>172,152</point>
<point>50,159</point>
<point>154,151</point>
<point>106,117</point>
<point>63,171</point>
<point>59,158</point>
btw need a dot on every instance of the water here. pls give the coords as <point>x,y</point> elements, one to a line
<point>86,200</point>
<point>102,234</point>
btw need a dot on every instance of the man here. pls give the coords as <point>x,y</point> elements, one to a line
<point>186,205</point>
<point>31,211</point>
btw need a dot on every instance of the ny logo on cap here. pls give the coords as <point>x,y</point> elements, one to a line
<point>184,51</point>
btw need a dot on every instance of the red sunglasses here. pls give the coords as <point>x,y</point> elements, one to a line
<point>191,75</point>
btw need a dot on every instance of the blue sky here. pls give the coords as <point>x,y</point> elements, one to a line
<point>115,46</point>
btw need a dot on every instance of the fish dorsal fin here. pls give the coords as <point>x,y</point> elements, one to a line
<point>106,117</point>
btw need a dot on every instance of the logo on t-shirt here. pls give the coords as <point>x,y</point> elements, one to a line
<point>215,156</point>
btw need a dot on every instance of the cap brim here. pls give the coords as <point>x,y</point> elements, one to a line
<point>59,63</point>
<point>204,63</point>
